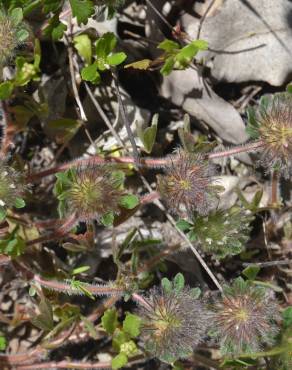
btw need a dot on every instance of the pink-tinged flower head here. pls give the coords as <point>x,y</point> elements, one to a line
<point>174,323</point>
<point>12,33</point>
<point>245,318</point>
<point>275,130</point>
<point>186,185</point>
<point>92,192</point>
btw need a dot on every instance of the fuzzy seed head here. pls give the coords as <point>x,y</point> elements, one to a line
<point>222,233</point>
<point>186,186</point>
<point>8,38</point>
<point>275,130</point>
<point>174,323</point>
<point>92,193</point>
<point>8,41</point>
<point>245,318</point>
<point>11,185</point>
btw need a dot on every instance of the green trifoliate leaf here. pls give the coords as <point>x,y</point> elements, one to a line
<point>131,325</point>
<point>82,10</point>
<point>19,203</point>
<point>129,201</point>
<point>168,66</point>
<point>287,317</point>
<point>3,343</point>
<point>105,45</point>
<point>109,320</point>
<point>183,225</point>
<point>107,219</point>
<point>116,58</point>
<point>2,213</point>
<point>178,282</point>
<point>119,361</point>
<point>251,272</point>
<point>90,73</point>
<point>168,45</point>
<point>83,45</point>
<point>166,285</point>
<point>6,89</point>
<point>16,16</point>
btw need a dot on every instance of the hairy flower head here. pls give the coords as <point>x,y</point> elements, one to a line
<point>245,318</point>
<point>274,128</point>
<point>173,323</point>
<point>222,232</point>
<point>186,185</point>
<point>91,192</point>
<point>12,33</point>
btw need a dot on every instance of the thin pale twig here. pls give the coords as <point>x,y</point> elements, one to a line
<point>75,90</point>
<point>59,233</point>
<point>202,20</point>
<point>173,223</point>
<point>184,237</point>
<point>125,119</point>
<point>159,14</point>
<point>268,264</point>
<point>103,115</point>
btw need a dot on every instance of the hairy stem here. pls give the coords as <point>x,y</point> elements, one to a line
<point>143,162</point>
<point>21,358</point>
<point>66,365</point>
<point>150,197</point>
<point>56,234</point>
<point>65,287</point>
<point>141,300</point>
<point>250,147</point>
<point>152,262</point>
<point>97,160</point>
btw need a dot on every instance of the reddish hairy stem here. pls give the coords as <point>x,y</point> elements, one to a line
<point>142,301</point>
<point>237,150</point>
<point>66,224</point>
<point>149,198</point>
<point>65,287</point>
<point>152,262</point>
<point>96,314</point>
<point>47,224</point>
<point>151,162</point>
<point>143,162</point>
<point>67,365</point>
<point>57,234</point>
<point>21,358</point>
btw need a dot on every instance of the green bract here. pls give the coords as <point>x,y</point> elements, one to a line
<point>11,189</point>
<point>222,233</point>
